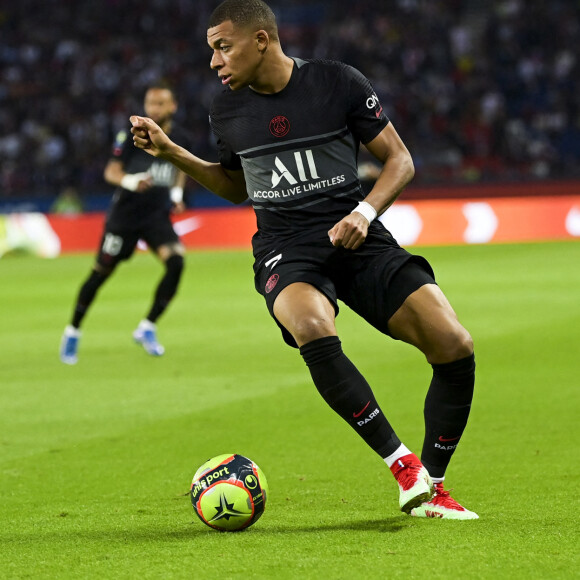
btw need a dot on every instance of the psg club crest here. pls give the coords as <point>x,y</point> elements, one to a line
<point>271,283</point>
<point>279,126</point>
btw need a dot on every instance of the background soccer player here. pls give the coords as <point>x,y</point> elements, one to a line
<point>288,134</point>
<point>147,190</point>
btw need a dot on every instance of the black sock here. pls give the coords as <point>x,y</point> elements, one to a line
<point>447,407</point>
<point>167,286</point>
<point>347,392</point>
<point>86,296</point>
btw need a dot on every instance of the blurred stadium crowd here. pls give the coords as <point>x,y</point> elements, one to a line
<point>479,91</point>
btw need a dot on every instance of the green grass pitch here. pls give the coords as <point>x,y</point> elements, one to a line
<point>96,459</point>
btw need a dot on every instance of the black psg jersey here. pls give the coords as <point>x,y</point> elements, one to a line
<point>131,209</point>
<point>298,148</point>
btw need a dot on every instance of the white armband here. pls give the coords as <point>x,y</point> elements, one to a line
<point>367,210</point>
<point>131,181</point>
<point>176,194</point>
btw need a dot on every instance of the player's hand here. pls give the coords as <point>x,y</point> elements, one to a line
<point>145,183</point>
<point>137,182</point>
<point>178,207</point>
<point>147,135</point>
<point>350,232</point>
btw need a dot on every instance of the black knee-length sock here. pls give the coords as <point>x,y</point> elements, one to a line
<point>447,407</point>
<point>347,392</point>
<point>86,296</point>
<point>167,287</point>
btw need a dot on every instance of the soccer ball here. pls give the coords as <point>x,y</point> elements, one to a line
<point>229,492</point>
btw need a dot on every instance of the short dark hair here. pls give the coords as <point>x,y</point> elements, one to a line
<point>163,85</point>
<point>248,13</point>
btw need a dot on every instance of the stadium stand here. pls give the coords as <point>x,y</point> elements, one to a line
<point>480,91</point>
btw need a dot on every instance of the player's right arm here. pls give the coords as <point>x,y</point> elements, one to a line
<point>230,185</point>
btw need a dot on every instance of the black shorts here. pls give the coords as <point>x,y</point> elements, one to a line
<point>373,280</point>
<point>118,244</point>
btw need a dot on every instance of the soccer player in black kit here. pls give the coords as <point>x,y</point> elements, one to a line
<point>148,189</point>
<point>288,132</point>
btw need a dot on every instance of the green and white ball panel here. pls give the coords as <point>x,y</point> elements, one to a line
<point>226,506</point>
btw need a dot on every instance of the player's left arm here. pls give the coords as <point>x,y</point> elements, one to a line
<point>398,169</point>
<point>397,172</point>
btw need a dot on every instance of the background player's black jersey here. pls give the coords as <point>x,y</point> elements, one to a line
<point>299,147</point>
<point>130,209</point>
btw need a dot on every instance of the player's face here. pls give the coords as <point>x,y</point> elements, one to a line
<point>236,55</point>
<point>159,105</point>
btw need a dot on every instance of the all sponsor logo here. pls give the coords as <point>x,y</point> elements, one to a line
<point>300,169</point>
<point>163,173</point>
<point>294,175</point>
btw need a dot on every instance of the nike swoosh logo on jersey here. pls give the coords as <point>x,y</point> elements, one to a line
<point>444,440</point>
<point>355,415</point>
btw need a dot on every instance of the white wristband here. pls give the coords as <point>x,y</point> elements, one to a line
<point>367,210</point>
<point>131,181</point>
<point>176,194</point>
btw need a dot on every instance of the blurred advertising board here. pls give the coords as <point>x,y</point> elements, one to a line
<point>420,222</point>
